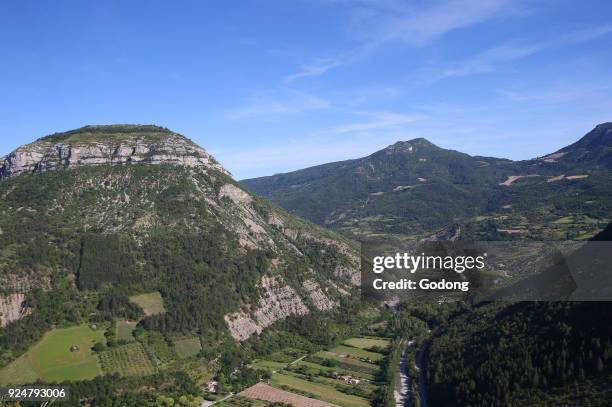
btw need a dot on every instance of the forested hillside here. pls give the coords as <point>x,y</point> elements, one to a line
<point>92,217</point>
<point>414,188</point>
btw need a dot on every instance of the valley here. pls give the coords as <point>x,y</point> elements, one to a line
<point>131,261</point>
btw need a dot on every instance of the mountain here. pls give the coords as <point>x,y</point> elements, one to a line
<point>93,216</point>
<point>414,189</point>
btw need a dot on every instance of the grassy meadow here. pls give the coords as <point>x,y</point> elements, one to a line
<point>52,360</point>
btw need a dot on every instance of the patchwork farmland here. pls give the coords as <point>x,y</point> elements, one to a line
<point>344,375</point>
<point>127,360</point>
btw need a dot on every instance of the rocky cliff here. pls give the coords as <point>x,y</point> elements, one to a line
<point>12,308</point>
<point>106,145</point>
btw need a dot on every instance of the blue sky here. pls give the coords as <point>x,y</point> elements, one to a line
<point>271,86</point>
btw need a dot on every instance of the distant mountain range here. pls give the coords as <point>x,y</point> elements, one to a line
<point>415,189</point>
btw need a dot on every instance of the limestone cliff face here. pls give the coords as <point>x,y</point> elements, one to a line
<point>107,145</point>
<point>12,308</point>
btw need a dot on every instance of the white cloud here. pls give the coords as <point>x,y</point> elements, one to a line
<point>490,59</point>
<point>377,22</point>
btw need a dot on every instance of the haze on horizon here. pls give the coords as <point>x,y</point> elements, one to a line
<point>269,86</point>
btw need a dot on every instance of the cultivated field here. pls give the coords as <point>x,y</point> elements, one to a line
<point>350,363</point>
<point>127,360</point>
<point>356,353</point>
<point>317,390</point>
<point>344,375</point>
<point>125,330</point>
<point>187,347</point>
<point>268,364</point>
<point>262,391</point>
<point>51,359</point>
<point>314,368</point>
<point>151,303</point>
<point>367,343</point>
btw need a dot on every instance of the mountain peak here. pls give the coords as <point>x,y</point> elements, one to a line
<point>111,133</point>
<point>600,136</point>
<point>409,146</point>
<point>115,144</point>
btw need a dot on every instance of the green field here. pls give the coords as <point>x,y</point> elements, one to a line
<point>127,360</point>
<point>187,347</point>
<point>367,343</point>
<point>349,363</point>
<point>51,358</point>
<point>125,330</point>
<point>318,390</point>
<point>315,367</point>
<point>160,346</point>
<point>151,303</point>
<point>356,353</point>
<point>268,364</point>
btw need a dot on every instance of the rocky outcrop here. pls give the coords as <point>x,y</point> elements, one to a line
<point>106,148</point>
<point>318,297</point>
<point>237,195</point>
<point>12,308</point>
<point>278,301</point>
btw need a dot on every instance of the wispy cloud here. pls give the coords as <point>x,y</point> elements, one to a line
<point>490,59</point>
<point>283,102</point>
<point>378,22</point>
<point>378,121</point>
<point>317,68</point>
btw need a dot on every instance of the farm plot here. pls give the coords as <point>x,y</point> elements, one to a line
<point>127,360</point>
<point>151,303</point>
<point>367,343</point>
<point>357,353</point>
<point>62,354</point>
<point>268,364</point>
<point>317,390</point>
<point>320,370</point>
<point>187,347</point>
<point>349,363</point>
<point>262,391</point>
<point>125,330</point>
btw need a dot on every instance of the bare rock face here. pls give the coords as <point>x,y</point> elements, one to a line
<point>237,195</point>
<point>279,301</point>
<point>12,308</point>
<point>107,145</point>
<point>318,297</point>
